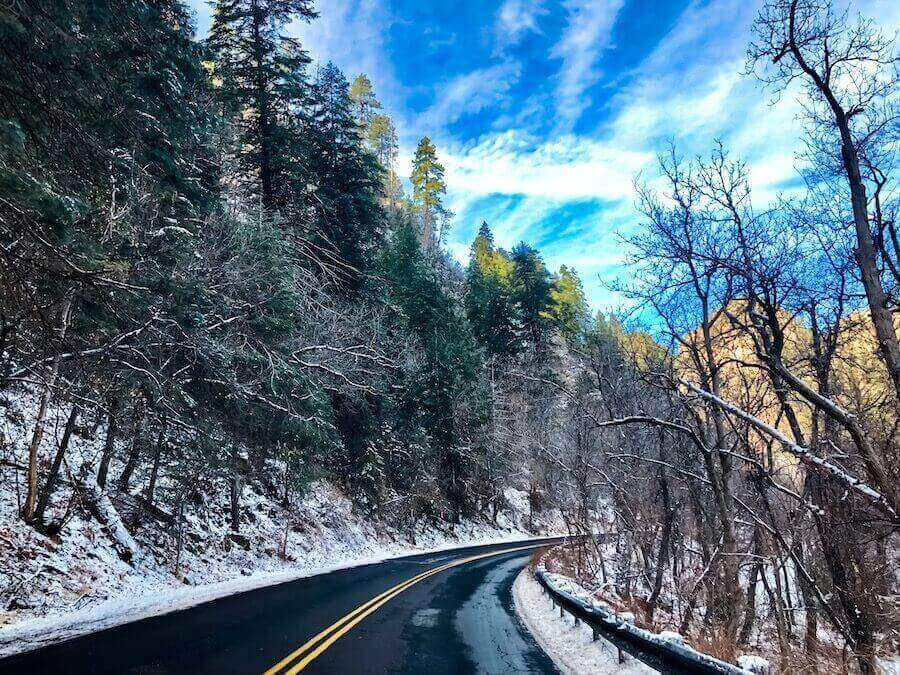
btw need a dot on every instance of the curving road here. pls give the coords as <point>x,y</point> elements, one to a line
<point>440,613</point>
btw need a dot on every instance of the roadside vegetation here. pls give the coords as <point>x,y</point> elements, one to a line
<point>748,453</point>
<point>215,285</point>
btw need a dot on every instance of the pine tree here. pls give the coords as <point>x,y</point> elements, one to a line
<point>347,218</point>
<point>569,306</point>
<point>88,196</point>
<point>378,131</point>
<point>531,292</point>
<point>428,188</point>
<point>260,74</point>
<point>382,137</point>
<point>446,391</point>
<point>489,303</point>
<point>362,97</point>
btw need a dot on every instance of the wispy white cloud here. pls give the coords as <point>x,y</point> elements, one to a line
<point>469,94</point>
<point>569,193</point>
<point>587,35</point>
<point>690,89</point>
<point>567,167</point>
<point>516,18</point>
<point>353,34</point>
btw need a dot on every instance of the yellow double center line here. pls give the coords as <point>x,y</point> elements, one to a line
<point>310,651</point>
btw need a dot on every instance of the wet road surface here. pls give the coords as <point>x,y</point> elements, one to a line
<point>455,620</point>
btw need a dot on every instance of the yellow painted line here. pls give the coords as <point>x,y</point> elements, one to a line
<point>347,622</point>
<point>337,624</point>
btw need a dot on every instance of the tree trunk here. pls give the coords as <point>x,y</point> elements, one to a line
<point>427,229</point>
<point>811,638</point>
<point>38,435</point>
<point>750,613</point>
<point>235,490</point>
<point>775,599</point>
<point>865,253</point>
<point>866,260</point>
<point>662,558</point>
<point>846,587</point>
<point>264,114</point>
<point>50,482</point>
<point>718,469</point>
<point>157,455</point>
<point>109,445</point>
<point>134,451</point>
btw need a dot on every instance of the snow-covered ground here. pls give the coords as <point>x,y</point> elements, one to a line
<point>890,666</point>
<point>573,654</point>
<point>56,588</point>
<point>571,647</point>
<point>81,586</point>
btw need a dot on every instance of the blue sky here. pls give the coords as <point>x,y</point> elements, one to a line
<point>544,111</point>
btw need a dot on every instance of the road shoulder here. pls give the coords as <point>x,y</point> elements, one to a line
<point>570,647</point>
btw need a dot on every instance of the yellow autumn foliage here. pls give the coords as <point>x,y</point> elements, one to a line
<point>859,379</point>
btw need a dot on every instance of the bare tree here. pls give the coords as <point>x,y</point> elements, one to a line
<point>849,73</point>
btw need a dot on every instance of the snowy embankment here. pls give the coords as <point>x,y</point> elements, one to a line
<point>108,566</point>
<point>665,643</point>
<point>113,593</point>
<point>571,647</point>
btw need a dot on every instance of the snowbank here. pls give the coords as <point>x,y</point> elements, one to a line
<point>571,647</point>
<point>623,624</point>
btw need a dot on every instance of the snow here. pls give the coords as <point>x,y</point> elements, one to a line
<point>61,587</point>
<point>623,622</point>
<point>36,632</point>
<point>106,513</point>
<point>755,664</point>
<point>571,647</point>
<point>671,636</point>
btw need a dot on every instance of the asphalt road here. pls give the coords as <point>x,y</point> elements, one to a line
<point>456,616</point>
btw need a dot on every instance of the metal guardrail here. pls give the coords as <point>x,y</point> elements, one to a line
<point>672,655</point>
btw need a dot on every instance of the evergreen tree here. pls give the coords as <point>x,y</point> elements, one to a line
<point>489,303</point>
<point>446,391</point>
<point>362,98</point>
<point>347,221</point>
<point>103,147</point>
<point>382,137</point>
<point>428,188</point>
<point>377,130</point>
<point>261,82</point>
<point>531,286</point>
<point>569,307</point>
<point>89,196</point>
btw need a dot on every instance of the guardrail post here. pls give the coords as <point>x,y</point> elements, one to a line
<point>596,634</point>
<point>621,656</point>
<point>576,620</point>
<point>560,611</point>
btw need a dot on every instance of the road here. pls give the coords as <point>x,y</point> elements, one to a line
<point>440,613</point>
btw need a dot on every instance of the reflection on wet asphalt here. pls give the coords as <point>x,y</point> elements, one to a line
<point>470,625</point>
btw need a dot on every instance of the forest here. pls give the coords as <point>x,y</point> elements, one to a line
<point>212,268</point>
